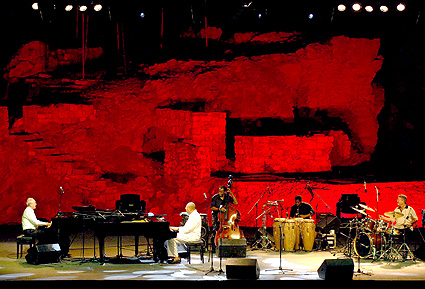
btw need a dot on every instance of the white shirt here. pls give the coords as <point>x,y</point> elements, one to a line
<point>30,221</point>
<point>408,218</point>
<point>191,231</point>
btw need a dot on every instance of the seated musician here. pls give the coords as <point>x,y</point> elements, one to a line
<point>408,217</point>
<point>301,209</point>
<point>30,223</point>
<point>191,231</point>
<point>219,202</point>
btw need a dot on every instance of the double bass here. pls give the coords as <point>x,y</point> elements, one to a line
<point>229,220</point>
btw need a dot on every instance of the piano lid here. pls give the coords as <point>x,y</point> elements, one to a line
<point>82,209</point>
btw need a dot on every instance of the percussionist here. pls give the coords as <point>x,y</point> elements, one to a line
<point>301,209</point>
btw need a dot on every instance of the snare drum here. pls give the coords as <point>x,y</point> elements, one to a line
<point>308,233</point>
<point>381,226</point>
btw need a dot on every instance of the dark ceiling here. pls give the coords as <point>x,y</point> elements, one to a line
<point>400,147</point>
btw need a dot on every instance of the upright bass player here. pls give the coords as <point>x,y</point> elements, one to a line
<point>225,216</point>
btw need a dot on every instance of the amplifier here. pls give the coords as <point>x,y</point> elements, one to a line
<point>231,248</point>
<point>44,254</point>
<point>243,268</point>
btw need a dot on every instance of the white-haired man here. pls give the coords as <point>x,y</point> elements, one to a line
<point>30,223</point>
<point>191,231</point>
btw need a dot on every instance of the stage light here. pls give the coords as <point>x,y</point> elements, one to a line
<point>97,7</point>
<point>68,7</point>
<point>356,7</point>
<point>310,16</point>
<point>247,4</point>
<point>142,15</point>
<point>341,7</point>
<point>83,8</point>
<point>368,8</point>
<point>401,7</point>
<point>383,8</point>
<point>35,6</point>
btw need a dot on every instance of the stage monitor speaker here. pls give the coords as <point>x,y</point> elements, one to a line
<point>336,269</point>
<point>231,248</point>
<point>43,254</point>
<point>244,268</point>
<point>130,203</point>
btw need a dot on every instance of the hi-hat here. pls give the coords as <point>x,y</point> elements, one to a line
<point>366,207</point>
<point>393,214</point>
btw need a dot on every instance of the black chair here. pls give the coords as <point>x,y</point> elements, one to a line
<point>22,240</point>
<point>195,246</point>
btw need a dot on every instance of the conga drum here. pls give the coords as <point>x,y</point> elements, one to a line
<point>278,231</point>
<point>289,234</point>
<point>298,222</point>
<point>308,233</point>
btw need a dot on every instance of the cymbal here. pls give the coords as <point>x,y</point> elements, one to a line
<point>366,207</point>
<point>358,210</point>
<point>393,214</point>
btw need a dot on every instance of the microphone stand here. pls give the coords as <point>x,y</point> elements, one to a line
<point>229,184</point>
<point>210,254</point>
<point>280,252</point>
<point>377,202</point>
<point>310,189</point>
<point>60,201</point>
<point>256,206</point>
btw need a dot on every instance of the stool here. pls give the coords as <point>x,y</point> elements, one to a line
<point>22,240</point>
<point>193,246</point>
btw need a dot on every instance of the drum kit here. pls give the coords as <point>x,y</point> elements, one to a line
<point>375,238</point>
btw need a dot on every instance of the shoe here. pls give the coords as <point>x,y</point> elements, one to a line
<point>174,261</point>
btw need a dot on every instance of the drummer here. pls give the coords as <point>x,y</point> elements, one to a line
<point>404,216</point>
<point>301,209</point>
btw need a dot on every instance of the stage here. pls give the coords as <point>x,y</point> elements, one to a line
<point>291,266</point>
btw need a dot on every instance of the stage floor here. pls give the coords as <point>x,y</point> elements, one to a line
<point>296,265</point>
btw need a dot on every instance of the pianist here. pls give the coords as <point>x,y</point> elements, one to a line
<point>30,223</point>
<point>191,231</point>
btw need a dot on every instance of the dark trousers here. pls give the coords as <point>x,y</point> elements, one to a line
<point>39,235</point>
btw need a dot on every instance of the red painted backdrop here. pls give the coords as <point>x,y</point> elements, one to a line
<point>130,139</point>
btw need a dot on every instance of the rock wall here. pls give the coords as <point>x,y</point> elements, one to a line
<point>283,154</point>
<point>129,140</point>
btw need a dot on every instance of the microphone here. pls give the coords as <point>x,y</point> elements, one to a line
<point>364,185</point>
<point>61,190</point>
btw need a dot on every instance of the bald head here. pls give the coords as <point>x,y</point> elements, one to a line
<point>31,203</point>
<point>190,207</point>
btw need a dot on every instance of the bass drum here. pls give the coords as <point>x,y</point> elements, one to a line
<point>364,244</point>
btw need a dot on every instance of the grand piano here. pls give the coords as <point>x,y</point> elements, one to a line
<point>103,223</point>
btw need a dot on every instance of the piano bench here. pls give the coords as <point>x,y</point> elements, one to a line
<point>22,240</point>
<point>195,246</point>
